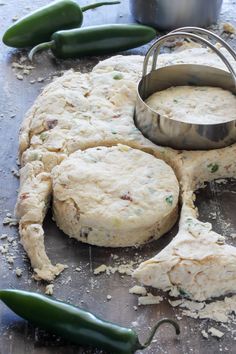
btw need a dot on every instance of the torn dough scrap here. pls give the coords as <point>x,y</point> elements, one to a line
<point>195,264</point>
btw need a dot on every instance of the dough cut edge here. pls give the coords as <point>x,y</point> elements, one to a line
<point>103,238</point>
<point>205,269</point>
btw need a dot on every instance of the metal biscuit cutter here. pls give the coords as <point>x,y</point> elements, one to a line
<point>174,133</point>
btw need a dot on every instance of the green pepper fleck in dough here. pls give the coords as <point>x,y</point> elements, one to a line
<point>214,167</point>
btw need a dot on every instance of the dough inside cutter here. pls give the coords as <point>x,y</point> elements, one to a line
<point>195,104</point>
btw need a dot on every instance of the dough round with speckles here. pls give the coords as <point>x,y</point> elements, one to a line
<point>114,196</point>
<point>195,104</point>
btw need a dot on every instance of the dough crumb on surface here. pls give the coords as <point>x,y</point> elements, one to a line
<point>10,221</point>
<point>149,299</point>
<point>219,311</point>
<point>229,28</point>
<point>19,77</point>
<point>4,248</point>
<point>204,334</point>
<point>10,259</point>
<point>214,332</point>
<point>101,269</point>
<point>175,303</point>
<point>18,272</point>
<point>49,289</point>
<point>138,290</point>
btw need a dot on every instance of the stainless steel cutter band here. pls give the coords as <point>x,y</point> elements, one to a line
<point>155,49</point>
<point>180,134</point>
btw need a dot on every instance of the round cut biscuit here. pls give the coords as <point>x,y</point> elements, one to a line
<point>114,196</point>
<point>195,104</point>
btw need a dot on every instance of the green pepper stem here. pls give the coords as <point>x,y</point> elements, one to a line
<point>98,4</point>
<point>41,46</point>
<point>154,329</point>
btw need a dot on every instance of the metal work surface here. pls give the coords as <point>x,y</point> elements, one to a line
<point>81,287</point>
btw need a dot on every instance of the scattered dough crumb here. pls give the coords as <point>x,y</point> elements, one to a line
<point>19,77</point>
<point>10,259</point>
<point>215,332</point>
<point>192,305</point>
<point>149,300</point>
<point>114,256</point>
<point>204,334</point>
<point>4,249</point>
<point>10,221</point>
<point>138,290</point>
<point>78,269</point>
<point>109,297</point>
<point>18,272</point>
<point>221,181</point>
<point>229,28</point>
<point>26,72</point>
<point>15,18</point>
<point>49,289</point>
<point>125,269</point>
<point>101,269</point>
<point>219,311</point>
<point>175,303</point>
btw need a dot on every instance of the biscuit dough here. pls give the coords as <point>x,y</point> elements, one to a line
<point>81,111</point>
<point>114,197</point>
<point>195,104</point>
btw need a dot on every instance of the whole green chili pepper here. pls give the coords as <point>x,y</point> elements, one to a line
<point>38,26</point>
<point>96,40</point>
<point>74,324</point>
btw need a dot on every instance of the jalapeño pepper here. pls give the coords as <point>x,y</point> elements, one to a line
<point>38,26</point>
<point>74,324</point>
<point>96,40</point>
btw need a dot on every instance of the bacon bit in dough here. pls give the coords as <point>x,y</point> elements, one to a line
<point>52,123</point>
<point>24,196</point>
<point>126,197</point>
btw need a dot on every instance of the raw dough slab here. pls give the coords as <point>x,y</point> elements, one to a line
<point>114,197</point>
<point>80,111</point>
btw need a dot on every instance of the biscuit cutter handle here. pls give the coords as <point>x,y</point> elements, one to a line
<point>155,50</point>
<point>198,30</point>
